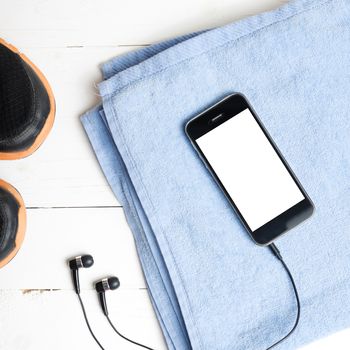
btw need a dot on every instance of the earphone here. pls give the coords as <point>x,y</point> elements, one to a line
<point>110,283</point>
<point>101,286</point>
<point>75,264</point>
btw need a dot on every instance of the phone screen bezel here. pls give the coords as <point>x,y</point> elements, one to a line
<point>218,114</point>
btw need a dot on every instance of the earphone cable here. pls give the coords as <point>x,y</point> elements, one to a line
<point>278,255</point>
<point>125,338</point>
<point>87,322</point>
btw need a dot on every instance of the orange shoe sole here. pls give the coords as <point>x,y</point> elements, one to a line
<point>22,222</point>
<point>50,119</point>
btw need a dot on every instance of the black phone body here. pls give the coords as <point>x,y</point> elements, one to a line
<point>250,170</point>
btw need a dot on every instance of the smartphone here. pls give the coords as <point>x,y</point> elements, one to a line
<point>250,170</point>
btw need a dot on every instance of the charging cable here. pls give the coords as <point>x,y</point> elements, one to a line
<point>278,255</point>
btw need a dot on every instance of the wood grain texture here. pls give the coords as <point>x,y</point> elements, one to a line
<point>55,235</point>
<point>41,320</point>
<point>73,211</point>
<point>39,23</point>
<point>64,172</point>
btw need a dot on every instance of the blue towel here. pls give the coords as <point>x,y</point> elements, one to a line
<point>211,286</point>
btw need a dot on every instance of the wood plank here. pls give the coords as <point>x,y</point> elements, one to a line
<point>59,324</point>
<point>339,341</point>
<point>67,40</point>
<point>90,23</point>
<point>64,171</point>
<point>55,235</point>
<point>53,320</point>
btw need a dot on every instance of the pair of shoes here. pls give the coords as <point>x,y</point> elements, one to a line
<point>27,112</point>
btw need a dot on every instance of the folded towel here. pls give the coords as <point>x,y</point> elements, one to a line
<point>211,286</point>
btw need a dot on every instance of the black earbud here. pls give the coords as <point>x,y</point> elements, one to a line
<point>101,286</point>
<point>75,264</point>
<point>110,283</point>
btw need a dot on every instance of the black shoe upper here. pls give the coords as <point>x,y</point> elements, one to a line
<point>24,103</point>
<point>9,208</point>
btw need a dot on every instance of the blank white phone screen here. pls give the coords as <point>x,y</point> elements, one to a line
<point>250,170</point>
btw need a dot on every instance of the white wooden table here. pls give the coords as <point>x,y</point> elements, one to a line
<point>71,209</point>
